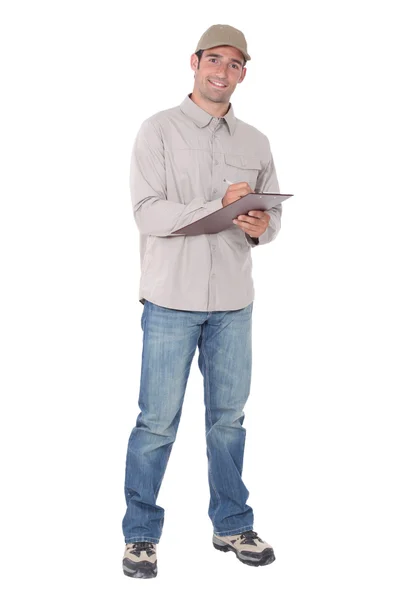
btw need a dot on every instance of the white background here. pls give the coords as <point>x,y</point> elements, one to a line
<point>321,460</point>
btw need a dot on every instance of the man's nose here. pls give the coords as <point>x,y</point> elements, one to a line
<point>222,71</point>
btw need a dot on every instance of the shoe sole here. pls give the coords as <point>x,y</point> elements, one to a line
<point>266,557</point>
<point>143,570</point>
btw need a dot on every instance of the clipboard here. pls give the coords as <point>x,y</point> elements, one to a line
<point>222,218</point>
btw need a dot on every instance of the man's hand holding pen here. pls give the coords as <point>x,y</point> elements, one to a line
<point>257,221</point>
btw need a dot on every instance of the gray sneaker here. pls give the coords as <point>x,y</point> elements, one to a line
<point>248,547</point>
<point>140,560</point>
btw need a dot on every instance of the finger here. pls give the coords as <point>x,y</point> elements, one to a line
<point>247,228</point>
<point>259,214</point>
<point>238,186</point>
<point>246,218</point>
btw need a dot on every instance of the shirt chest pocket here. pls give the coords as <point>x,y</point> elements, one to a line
<point>240,168</point>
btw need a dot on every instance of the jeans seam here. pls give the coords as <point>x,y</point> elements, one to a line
<point>165,468</point>
<point>207,396</point>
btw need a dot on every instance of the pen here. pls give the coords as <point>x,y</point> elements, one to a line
<point>227,181</point>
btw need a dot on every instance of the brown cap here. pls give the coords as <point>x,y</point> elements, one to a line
<point>223,35</point>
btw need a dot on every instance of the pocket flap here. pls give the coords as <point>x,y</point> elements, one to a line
<point>243,162</point>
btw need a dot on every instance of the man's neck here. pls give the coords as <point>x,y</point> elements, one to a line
<point>215,109</point>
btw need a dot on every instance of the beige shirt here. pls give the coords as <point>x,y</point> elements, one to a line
<point>179,160</point>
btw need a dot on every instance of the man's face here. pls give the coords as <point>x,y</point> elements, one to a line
<point>220,65</point>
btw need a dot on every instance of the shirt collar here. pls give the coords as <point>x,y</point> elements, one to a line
<point>202,118</point>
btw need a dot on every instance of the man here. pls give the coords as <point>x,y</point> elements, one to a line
<point>197,291</point>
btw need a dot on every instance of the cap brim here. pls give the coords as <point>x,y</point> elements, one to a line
<point>245,54</point>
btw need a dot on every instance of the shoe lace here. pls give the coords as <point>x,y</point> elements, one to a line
<point>142,546</point>
<point>250,535</point>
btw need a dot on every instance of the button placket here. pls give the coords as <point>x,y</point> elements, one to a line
<point>214,175</point>
<point>216,162</point>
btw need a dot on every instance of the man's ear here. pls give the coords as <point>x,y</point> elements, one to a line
<point>194,61</point>
<point>243,75</point>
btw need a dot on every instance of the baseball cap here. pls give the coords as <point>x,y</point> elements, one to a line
<point>223,35</point>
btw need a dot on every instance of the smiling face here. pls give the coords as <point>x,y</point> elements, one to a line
<point>219,72</point>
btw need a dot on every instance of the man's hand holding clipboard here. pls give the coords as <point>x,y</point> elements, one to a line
<point>241,206</point>
<point>255,222</point>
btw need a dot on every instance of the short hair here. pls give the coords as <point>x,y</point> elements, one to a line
<point>199,54</point>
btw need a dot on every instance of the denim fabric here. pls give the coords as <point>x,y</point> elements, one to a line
<point>170,338</point>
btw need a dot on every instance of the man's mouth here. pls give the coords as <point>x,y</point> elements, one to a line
<point>217,84</point>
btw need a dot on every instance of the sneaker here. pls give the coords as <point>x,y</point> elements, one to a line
<point>140,560</point>
<point>248,547</point>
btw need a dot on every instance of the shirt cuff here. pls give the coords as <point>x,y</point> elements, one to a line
<point>251,240</point>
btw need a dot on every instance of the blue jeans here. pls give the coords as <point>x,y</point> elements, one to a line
<point>170,338</point>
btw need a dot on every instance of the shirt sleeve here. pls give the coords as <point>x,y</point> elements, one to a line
<point>156,213</point>
<point>267,183</point>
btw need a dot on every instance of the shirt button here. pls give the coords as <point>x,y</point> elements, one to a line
<point>215,191</point>
<point>213,247</point>
<point>216,162</point>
